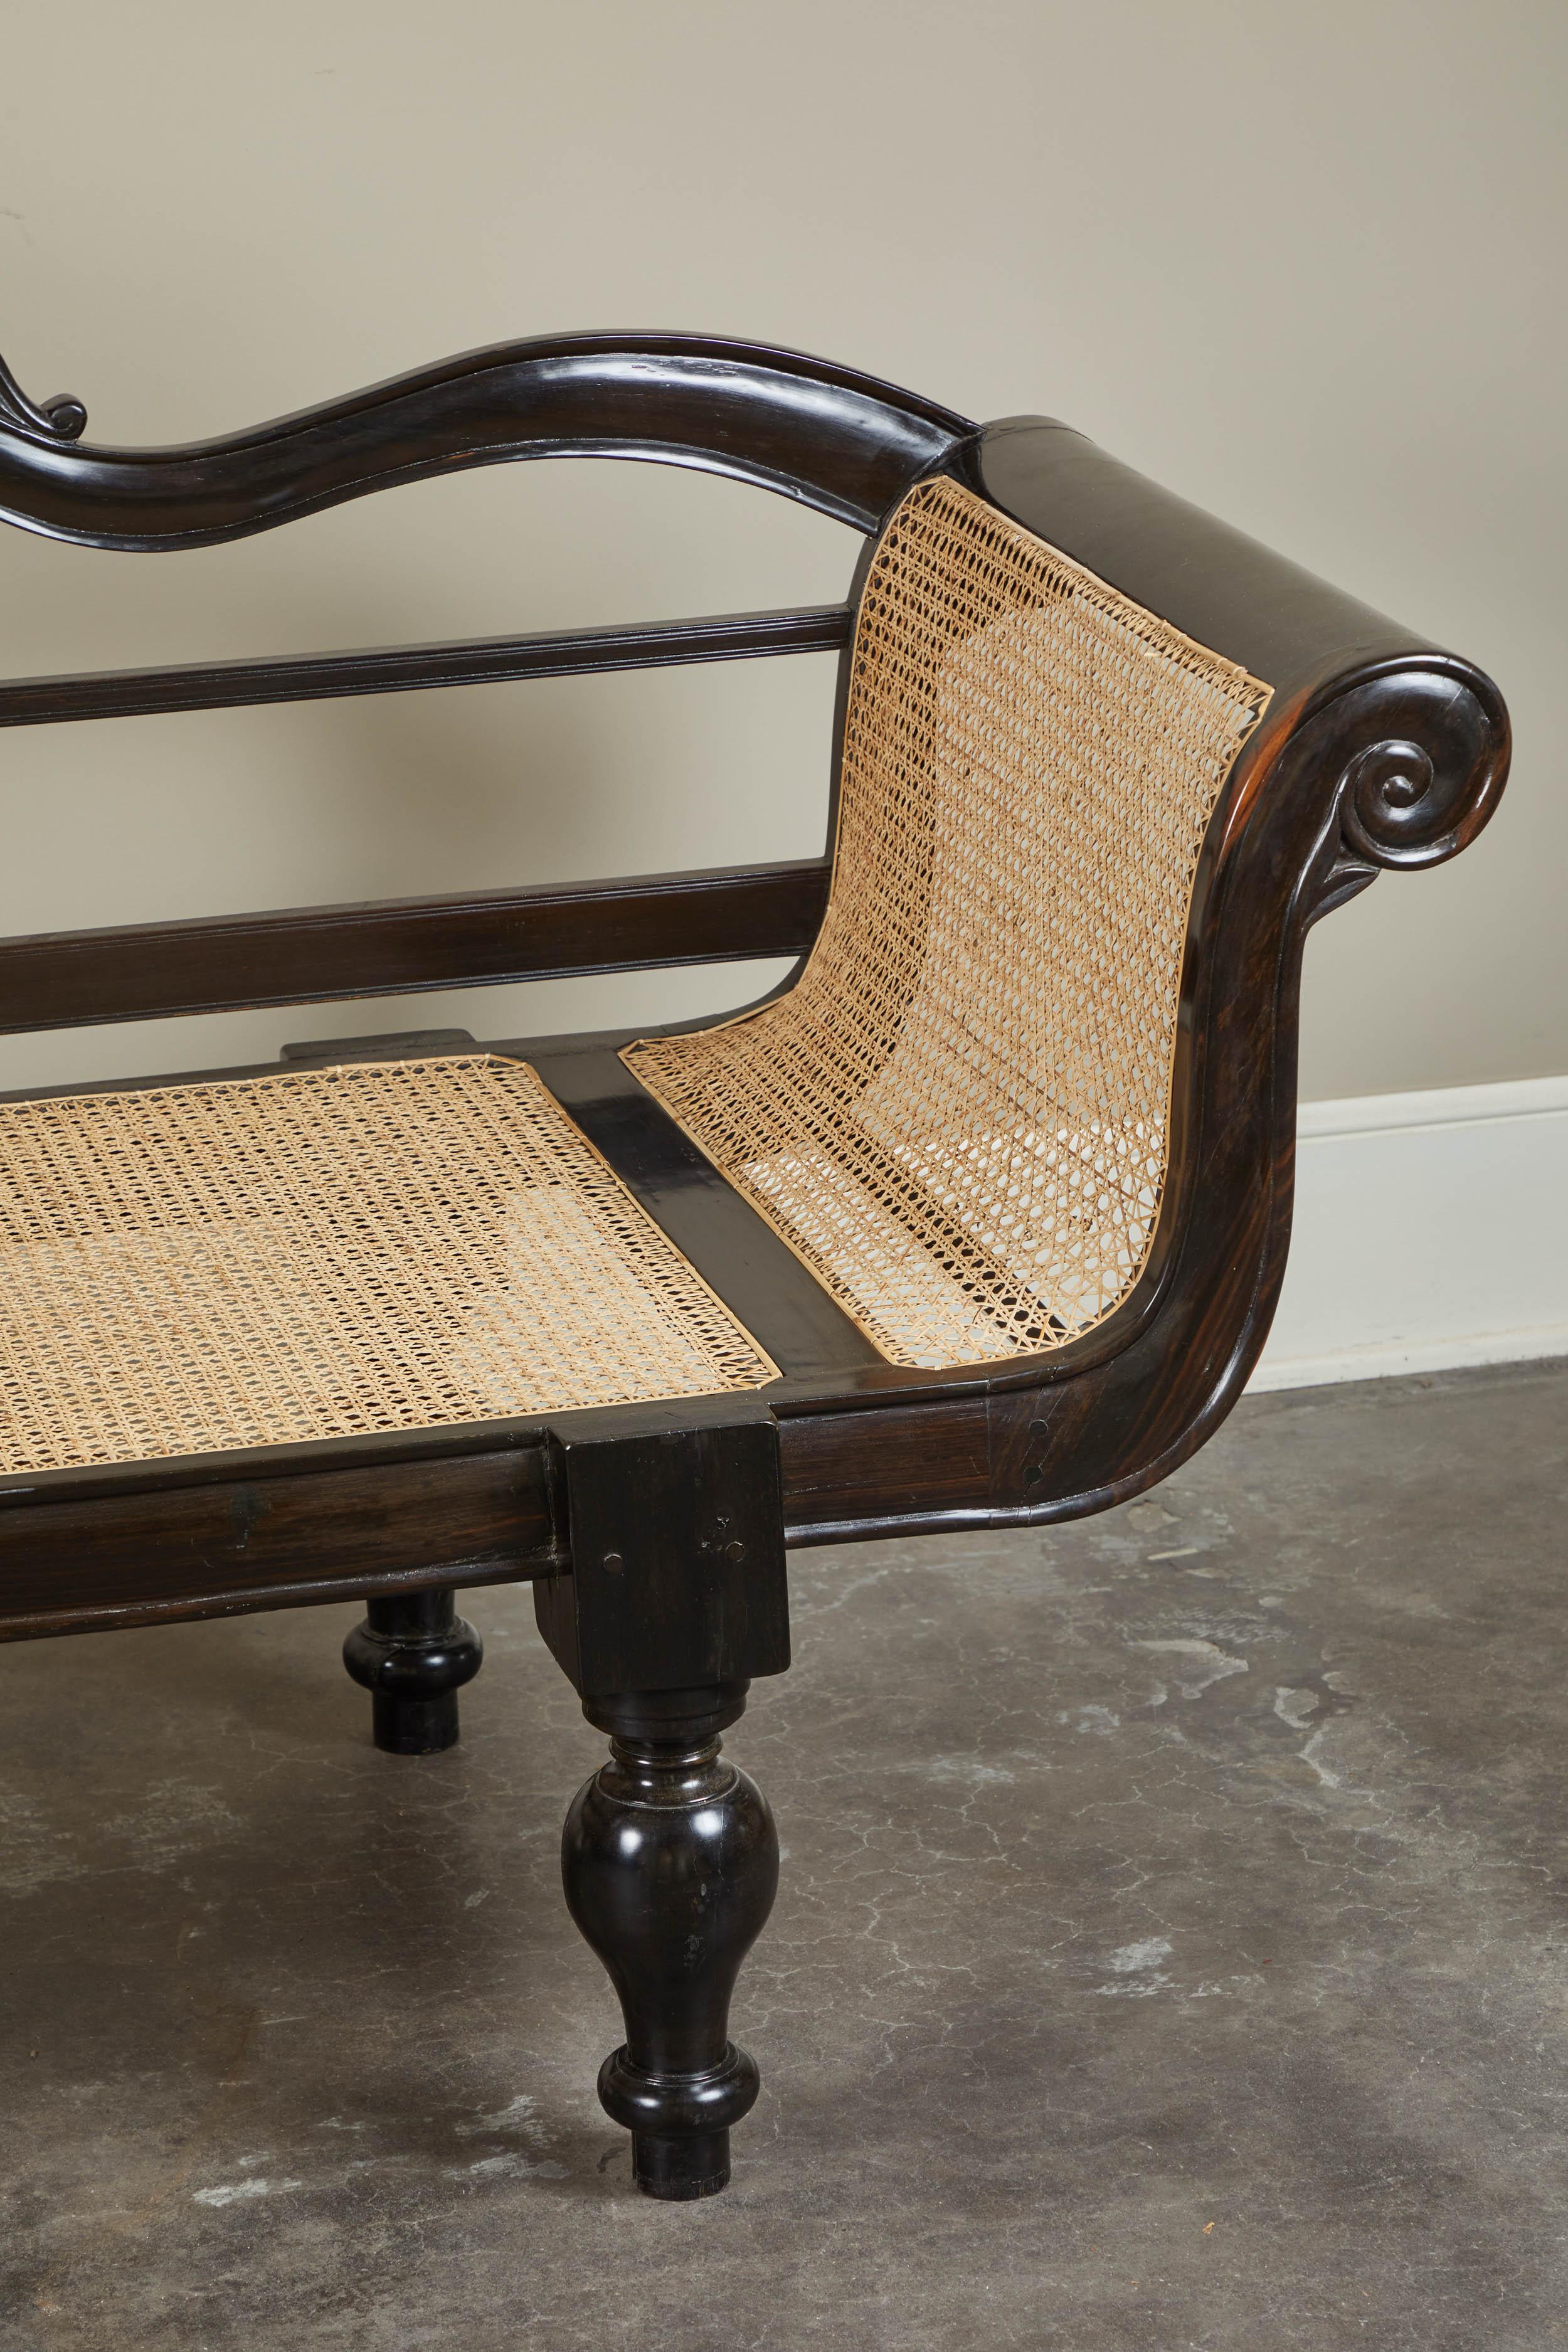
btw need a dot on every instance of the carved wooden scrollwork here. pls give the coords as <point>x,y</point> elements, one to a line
<point>62,417</point>
<point>1425,752</point>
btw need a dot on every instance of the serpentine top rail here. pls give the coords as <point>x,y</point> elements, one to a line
<point>829,436</point>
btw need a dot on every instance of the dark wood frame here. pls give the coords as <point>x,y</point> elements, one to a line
<point>1378,751</point>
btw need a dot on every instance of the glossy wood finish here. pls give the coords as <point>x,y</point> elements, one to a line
<point>308,955</point>
<point>1224,589</point>
<point>402,669</point>
<point>58,419</point>
<point>414,1653</point>
<point>671,1863</point>
<point>670,1596</point>
<point>826,435</point>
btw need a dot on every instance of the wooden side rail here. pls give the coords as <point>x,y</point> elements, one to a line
<point>306,955</point>
<point>475,661</point>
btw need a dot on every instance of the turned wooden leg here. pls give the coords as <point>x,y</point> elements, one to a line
<point>414,1653</point>
<point>671,1861</point>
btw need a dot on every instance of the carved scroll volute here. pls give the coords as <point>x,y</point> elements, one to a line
<point>1426,755</point>
<point>62,417</point>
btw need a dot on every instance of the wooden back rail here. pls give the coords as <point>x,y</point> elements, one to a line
<point>317,954</point>
<point>827,437</point>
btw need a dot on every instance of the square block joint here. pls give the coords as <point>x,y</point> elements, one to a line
<point>673,1521</point>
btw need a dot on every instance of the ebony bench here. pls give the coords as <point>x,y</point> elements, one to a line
<point>978,1220</point>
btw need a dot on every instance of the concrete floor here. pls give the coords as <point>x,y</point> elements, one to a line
<point>1172,1949</point>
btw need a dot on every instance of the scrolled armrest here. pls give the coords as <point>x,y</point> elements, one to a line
<point>1426,758</point>
<point>1410,741</point>
<point>1376,751</point>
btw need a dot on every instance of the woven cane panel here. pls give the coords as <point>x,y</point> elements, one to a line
<point>959,1116</point>
<point>379,1246</point>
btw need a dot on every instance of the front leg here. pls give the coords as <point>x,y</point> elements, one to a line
<point>671,1861</point>
<point>670,1597</point>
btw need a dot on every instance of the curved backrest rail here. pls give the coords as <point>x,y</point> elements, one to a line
<point>392,669</point>
<point>837,440</point>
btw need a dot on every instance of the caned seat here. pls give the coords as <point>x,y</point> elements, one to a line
<point>324,1253</point>
<point>978,1220</point>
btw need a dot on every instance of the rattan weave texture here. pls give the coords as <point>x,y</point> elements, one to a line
<point>376,1247</point>
<point>959,1116</point>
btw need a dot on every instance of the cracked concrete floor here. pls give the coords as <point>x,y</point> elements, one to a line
<point>1170,1951</point>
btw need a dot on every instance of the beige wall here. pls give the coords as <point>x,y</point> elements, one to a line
<point>1303,264</point>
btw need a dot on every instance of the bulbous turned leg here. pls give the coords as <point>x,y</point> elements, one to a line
<point>671,1861</point>
<point>414,1653</point>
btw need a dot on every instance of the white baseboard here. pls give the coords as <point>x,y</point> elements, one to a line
<point>1431,1231</point>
